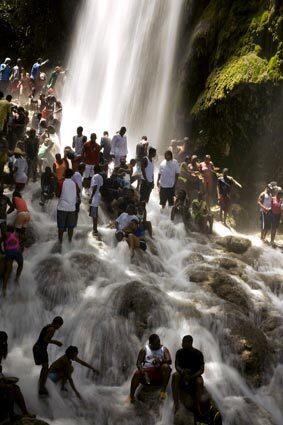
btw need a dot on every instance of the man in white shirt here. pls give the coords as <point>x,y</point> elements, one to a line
<point>66,209</point>
<point>168,173</point>
<point>95,185</point>
<point>78,179</point>
<point>119,149</point>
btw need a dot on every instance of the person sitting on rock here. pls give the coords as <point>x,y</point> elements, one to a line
<point>61,370</point>
<point>189,364</point>
<point>40,353</point>
<point>201,215</point>
<point>10,393</point>
<point>153,365</point>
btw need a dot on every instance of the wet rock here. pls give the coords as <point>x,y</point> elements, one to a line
<point>234,244</point>
<point>197,276</point>
<point>184,417</point>
<point>227,288</point>
<point>145,305</point>
<point>251,257</point>
<point>31,236</point>
<point>53,281</point>
<point>226,263</point>
<point>193,258</point>
<point>250,348</point>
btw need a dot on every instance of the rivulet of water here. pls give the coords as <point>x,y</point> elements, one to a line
<point>110,305</point>
<point>120,68</point>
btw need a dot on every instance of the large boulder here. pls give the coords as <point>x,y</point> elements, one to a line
<point>251,353</point>
<point>144,305</point>
<point>234,244</point>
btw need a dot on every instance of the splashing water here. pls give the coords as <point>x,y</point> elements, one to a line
<point>120,68</point>
<point>120,74</point>
<point>109,303</point>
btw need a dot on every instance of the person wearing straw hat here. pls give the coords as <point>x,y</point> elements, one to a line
<point>20,169</point>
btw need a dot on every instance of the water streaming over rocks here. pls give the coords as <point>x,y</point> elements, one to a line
<point>110,306</point>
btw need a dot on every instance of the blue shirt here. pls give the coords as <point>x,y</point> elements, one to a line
<point>5,72</point>
<point>34,71</point>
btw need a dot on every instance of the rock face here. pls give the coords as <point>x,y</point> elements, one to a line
<point>27,421</point>
<point>230,74</point>
<point>234,244</point>
<point>142,304</point>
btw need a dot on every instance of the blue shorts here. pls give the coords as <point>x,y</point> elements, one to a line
<point>93,212</point>
<point>14,256</point>
<point>53,377</point>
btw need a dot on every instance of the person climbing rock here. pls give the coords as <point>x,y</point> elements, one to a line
<point>189,364</point>
<point>61,370</point>
<point>207,169</point>
<point>153,367</point>
<point>40,353</point>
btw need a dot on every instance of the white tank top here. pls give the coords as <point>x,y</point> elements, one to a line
<point>267,199</point>
<point>152,355</point>
<point>149,171</point>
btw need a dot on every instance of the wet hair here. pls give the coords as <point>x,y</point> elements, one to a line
<point>48,170</point>
<point>3,345</point>
<point>133,161</point>
<point>80,129</point>
<point>71,350</point>
<point>144,138</point>
<point>188,338</point>
<point>58,156</point>
<point>93,136</point>
<point>96,169</point>
<point>105,133</point>
<point>9,98</point>
<point>16,194</point>
<point>69,173</point>
<point>153,338</point>
<point>58,320</point>
<point>169,153</point>
<point>151,151</point>
<point>131,209</point>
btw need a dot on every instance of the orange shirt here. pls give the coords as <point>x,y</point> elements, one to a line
<point>60,170</point>
<point>20,204</point>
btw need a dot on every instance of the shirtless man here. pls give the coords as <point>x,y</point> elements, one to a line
<point>40,353</point>
<point>61,370</point>
<point>153,365</point>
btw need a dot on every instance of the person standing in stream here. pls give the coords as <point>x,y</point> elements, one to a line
<point>40,353</point>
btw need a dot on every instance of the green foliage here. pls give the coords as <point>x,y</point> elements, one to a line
<point>249,68</point>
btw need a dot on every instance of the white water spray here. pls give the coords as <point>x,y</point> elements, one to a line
<point>120,68</point>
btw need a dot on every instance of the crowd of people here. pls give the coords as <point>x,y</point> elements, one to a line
<point>100,173</point>
<point>153,370</point>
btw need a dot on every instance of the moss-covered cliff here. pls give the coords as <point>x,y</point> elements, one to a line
<point>230,83</point>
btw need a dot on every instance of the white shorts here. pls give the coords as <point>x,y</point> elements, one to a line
<point>88,171</point>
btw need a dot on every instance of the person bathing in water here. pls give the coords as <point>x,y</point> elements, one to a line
<point>61,370</point>
<point>153,367</point>
<point>40,353</point>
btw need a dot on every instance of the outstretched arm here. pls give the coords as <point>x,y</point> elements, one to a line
<point>83,363</point>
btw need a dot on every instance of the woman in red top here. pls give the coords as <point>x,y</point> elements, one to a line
<point>90,154</point>
<point>276,207</point>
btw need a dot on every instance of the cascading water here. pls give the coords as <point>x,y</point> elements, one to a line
<point>120,70</point>
<point>120,67</point>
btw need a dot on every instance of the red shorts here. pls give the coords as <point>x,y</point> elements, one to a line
<point>154,374</point>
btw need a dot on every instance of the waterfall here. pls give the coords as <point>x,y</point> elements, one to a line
<point>120,68</point>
